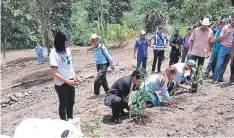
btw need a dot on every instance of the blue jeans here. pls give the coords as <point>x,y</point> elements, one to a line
<point>212,63</point>
<point>40,58</point>
<point>184,54</point>
<point>224,57</point>
<point>143,61</point>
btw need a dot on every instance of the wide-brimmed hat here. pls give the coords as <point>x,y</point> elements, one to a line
<point>94,36</point>
<point>205,21</point>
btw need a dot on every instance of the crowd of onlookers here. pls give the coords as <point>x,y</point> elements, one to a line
<point>214,41</point>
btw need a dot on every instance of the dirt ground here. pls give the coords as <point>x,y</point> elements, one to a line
<point>209,112</point>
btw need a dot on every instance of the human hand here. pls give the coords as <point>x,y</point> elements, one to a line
<point>72,82</point>
<point>172,104</point>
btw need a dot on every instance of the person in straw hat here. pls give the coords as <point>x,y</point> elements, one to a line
<point>200,42</point>
<point>103,60</point>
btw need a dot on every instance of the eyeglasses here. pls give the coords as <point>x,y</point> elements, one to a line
<point>68,60</point>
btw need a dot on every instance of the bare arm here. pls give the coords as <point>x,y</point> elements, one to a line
<point>54,72</point>
<point>135,52</point>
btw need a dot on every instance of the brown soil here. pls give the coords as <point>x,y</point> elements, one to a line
<point>209,112</point>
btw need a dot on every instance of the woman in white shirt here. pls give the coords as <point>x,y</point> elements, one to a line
<point>64,74</point>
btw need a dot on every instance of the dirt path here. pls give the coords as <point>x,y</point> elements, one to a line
<point>206,113</point>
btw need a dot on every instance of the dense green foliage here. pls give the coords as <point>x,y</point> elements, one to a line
<point>26,22</point>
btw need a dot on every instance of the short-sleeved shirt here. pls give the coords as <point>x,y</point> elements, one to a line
<point>63,62</point>
<point>142,47</point>
<point>217,45</point>
<point>158,43</point>
<point>180,71</point>
<point>201,40</point>
<point>227,41</point>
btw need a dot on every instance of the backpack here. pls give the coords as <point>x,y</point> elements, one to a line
<point>108,63</point>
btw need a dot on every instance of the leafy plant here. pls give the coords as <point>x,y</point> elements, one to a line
<point>139,102</point>
<point>94,128</point>
<point>197,78</point>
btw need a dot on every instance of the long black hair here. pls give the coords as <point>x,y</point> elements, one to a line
<point>59,41</point>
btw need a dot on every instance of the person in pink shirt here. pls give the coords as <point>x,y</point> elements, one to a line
<point>200,42</point>
<point>225,52</point>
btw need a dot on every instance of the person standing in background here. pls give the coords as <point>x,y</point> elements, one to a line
<point>141,46</point>
<point>103,60</point>
<point>175,43</point>
<point>185,45</point>
<point>159,45</point>
<point>40,54</point>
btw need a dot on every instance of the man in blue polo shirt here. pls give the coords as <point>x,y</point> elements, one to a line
<point>158,47</point>
<point>141,47</point>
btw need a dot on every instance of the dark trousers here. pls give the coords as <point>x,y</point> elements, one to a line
<point>212,63</point>
<point>184,54</point>
<point>158,55</point>
<point>143,61</point>
<point>200,60</point>
<point>232,70</point>
<point>66,94</point>
<point>116,103</point>
<point>101,79</point>
<point>174,57</point>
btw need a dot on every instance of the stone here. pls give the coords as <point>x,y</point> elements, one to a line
<point>5,100</point>
<point>89,76</point>
<point>18,95</point>
<point>121,68</point>
<point>4,105</point>
<point>26,94</point>
<point>13,98</point>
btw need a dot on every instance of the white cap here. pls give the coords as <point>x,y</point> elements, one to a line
<point>143,32</point>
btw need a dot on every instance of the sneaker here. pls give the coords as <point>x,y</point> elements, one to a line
<point>116,120</point>
<point>215,82</point>
<point>220,80</point>
<point>231,82</point>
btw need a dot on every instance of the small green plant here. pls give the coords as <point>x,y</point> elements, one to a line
<point>94,128</point>
<point>197,78</point>
<point>139,102</point>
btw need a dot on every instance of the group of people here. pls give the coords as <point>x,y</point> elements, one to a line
<point>207,40</point>
<point>197,44</point>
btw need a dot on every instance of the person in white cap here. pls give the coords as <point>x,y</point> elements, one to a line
<point>141,46</point>
<point>103,60</point>
<point>200,42</point>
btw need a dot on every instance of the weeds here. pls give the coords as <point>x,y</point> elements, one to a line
<point>93,129</point>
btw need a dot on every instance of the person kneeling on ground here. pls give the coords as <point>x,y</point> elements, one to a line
<point>159,82</point>
<point>180,77</point>
<point>117,96</point>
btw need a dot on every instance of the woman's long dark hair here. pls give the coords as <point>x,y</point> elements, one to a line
<point>59,41</point>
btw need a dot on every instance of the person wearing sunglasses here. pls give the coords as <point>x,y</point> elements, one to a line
<point>103,60</point>
<point>117,96</point>
<point>63,73</point>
